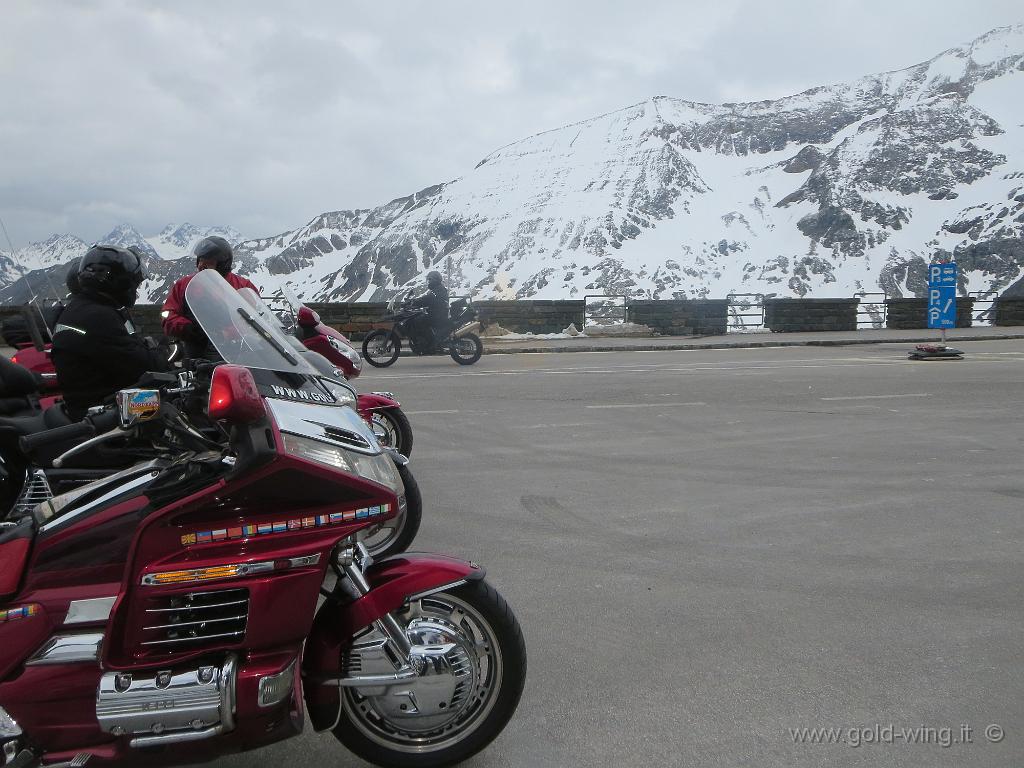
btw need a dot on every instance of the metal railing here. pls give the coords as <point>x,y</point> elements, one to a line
<point>984,310</point>
<point>745,312</point>
<point>871,313</point>
<point>606,310</point>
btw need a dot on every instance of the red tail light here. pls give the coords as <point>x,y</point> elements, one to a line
<point>14,359</point>
<point>234,396</point>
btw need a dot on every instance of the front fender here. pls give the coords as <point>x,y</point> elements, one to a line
<point>392,582</point>
<point>373,401</point>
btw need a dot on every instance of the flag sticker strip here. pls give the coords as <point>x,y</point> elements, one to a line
<point>21,612</point>
<point>278,526</point>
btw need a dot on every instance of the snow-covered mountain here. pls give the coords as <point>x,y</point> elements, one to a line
<point>167,256</point>
<point>176,241</point>
<point>842,188</point>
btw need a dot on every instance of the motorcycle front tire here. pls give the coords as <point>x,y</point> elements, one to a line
<point>479,618</point>
<point>396,429</point>
<point>381,348</point>
<point>466,349</point>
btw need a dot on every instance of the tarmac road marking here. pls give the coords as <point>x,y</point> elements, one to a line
<point>879,397</point>
<point>642,405</point>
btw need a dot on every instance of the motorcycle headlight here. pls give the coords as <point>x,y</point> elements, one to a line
<point>379,468</point>
<point>343,393</point>
<point>350,354</point>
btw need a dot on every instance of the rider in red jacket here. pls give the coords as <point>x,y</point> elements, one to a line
<point>211,253</point>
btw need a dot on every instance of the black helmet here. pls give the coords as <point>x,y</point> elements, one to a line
<point>109,272</point>
<point>71,277</point>
<point>217,249</point>
<point>434,279</point>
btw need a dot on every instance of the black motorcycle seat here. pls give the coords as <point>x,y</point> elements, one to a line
<point>15,406</point>
<point>17,380</point>
<point>51,418</point>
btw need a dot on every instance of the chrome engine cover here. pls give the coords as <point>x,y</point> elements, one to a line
<point>168,706</point>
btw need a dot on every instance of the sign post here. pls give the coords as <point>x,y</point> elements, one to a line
<point>941,310</point>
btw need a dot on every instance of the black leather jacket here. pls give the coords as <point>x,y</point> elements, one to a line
<point>436,302</point>
<point>96,352</point>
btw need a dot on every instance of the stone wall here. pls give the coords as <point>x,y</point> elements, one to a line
<point>1009,312</point>
<point>794,315</point>
<point>907,314</point>
<point>533,316</point>
<point>677,317</point>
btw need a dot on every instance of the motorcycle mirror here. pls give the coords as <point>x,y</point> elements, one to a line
<point>135,405</point>
<point>308,318</point>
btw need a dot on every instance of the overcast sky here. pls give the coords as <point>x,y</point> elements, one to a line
<point>261,115</point>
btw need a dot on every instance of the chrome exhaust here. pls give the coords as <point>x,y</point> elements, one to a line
<point>471,327</point>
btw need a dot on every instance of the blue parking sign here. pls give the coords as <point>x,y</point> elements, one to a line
<point>942,275</point>
<point>942,307</point>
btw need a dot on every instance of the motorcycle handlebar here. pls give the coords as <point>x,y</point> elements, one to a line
<point>82,429</point>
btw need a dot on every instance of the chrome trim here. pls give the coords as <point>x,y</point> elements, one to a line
<point>388,395</point>
<point>177,738</point>
<point>304,561</point>
<point>435,590</point>
<point>197,639</point>
<point>109,435</point>
<point>211,605</point>
<point>369,681</point>
<point>340,427</point>
<point>9,727</point>
<point>119,711</point>
<point>77,761</point>
<point>93,609</point>
<point>70,516</point>
<point>196,623</point>
<point>66,649</point>
<point>244,569</point>
<point>228,679</point>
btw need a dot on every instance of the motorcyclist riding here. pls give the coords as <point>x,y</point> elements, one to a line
<point>96,350</point>
<point>211,253</point>
<point>428,329</point>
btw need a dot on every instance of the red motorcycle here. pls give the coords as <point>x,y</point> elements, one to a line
<point>380,409</point>
<point>203,601</point>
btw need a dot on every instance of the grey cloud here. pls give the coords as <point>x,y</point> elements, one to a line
<point>261,115</point>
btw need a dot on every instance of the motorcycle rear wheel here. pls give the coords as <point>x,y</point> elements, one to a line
<point>467,349</point>
<point>486,666</point>
<point>392,429</point>
<point>396,535</point>
<point>381,348</point>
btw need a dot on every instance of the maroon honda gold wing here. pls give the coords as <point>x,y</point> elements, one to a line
<point>200,603</point>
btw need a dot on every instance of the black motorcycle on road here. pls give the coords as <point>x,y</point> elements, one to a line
<point>457,337</point>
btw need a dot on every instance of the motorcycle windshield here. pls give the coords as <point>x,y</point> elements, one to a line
<point>397,299</point>
<point>294,302</point>
<point>253,299</point>
<point>241,333</point>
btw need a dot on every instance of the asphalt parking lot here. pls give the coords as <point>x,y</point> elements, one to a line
<point>710,550</point>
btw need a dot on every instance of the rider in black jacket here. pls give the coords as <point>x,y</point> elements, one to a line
<point>96,350</point>
<point>435,300</point>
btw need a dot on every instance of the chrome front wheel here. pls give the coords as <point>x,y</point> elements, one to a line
<point>470,658</point>
<point>392,429</point>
